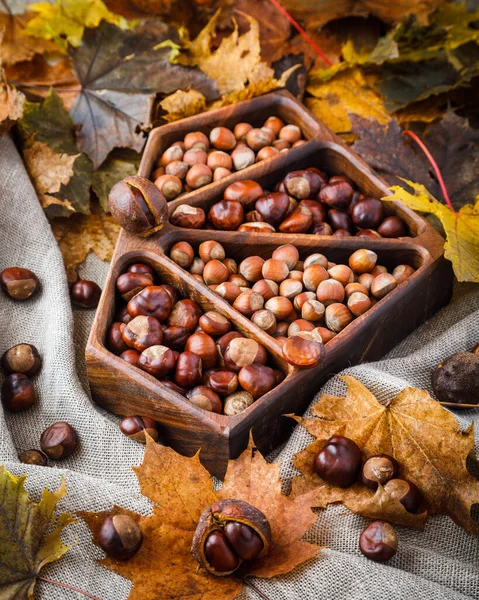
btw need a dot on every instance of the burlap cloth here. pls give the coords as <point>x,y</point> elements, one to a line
<point>440,563</point>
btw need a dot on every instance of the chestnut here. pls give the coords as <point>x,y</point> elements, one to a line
<point>114,338</point>
<point>223,342</point>
<point>339,462</point>
<point>213,323</point>
<point>152,301</point>
<point>19,283</point>
<point>131,357</point>
<point>318,211</point>
<point>130,284</point>
<point>136,428</point>
<point>392,227</point>
<point>323,229</point>
<point>379,469</point>
<point>188,370</point>
<point>378,541</point>
<point>367,213</point>
<point>299,221</point>
<point>59,441</point>
<point>246,191</point>
<point>142,332</point>
<point>22,358</point>
<point>257,379</point>
<point>273,207</point>
<point>205,398</point>
<point>227,215</point>
<point>141,268</point>
<point>203,346</point>
<point>406,492</point>
<point>18,393</point>
<point>237,402</point>
<point>342,233</point>
<point>157,360</point>
<point>123,316</point>
<point>338,219</point>
<point>241,352</point>
<point>189,217</point>
<point>303,352</point>
<point>223,382</point>
<point>120,537</point>
<point>33,457</point>
<point>229,532</point>
<point>336,194</point>
<point>369,233</point>
<point>303,184</point>
<point>182,254</point>
<point>85,294</point>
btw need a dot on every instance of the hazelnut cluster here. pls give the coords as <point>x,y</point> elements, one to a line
<point>340,463</point>
<point>200,159</point>
<point>305,201</point>
<point>195,353</point>
<point>300,303</point>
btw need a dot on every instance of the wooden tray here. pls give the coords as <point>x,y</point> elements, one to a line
<point>126,390</point>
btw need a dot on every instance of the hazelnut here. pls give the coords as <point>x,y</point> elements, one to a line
<point>114,338</point>
<point>33,457</point>
<point>339,462</point>
<point>242,157</point>
<point>211,250</point>
<point>337,317</point>
<point>157,173</point>
<point>215,272</point>
<point>177,168</point>
<point>229,291</point>
<point>378,270</point>
<point>226,215</point>
<point>196,139</point>
<point>195,156</point>
<point>406,492</point>
<point>326,334</point>
<point>290,133</point>
<point>281,145</point>
<point>231,265</point>
<point>169,185</point>
<point>229,532</point>
<point>241,129</point>
<point>315,259</point>
<point>351,288</point>
<point>378,541</point>
<point>142,332</point>
<point>222,138</point>
<point>237,402</point>
<point>171,154</point>
<point>120,537</point>
<point>266,152</point>
<point>197,267</point>
<point>259,138</point>
<point>312,310</point>
<point>341,273</point>
<point>59,441</point>
<point>267,288</point>
<point>138,205</point>
<point>299,325</point>
<point>382,285</point>
<point>22,358</point>
<point>152,301</point>
<point>275,270</point>
<point>223,382</point>
<point>238,280</point>
<point>131,357</point>
<point>17,393</point>
<point>300,299</point>
<point>136,428</point>
<point>303,352</point>
<point>275,124</point>
<point>182,254</point>
<point>273,207</point>
<point>287,254</point>
<point>188,370</point>
<point>330,291</point>
<point>18,283</point>
<point>199,176</point>
<point>157,360</point>
<point>203,346</point>
<point>313,276</point>
<point>363,261</point>
<point>213,323</point>
<point>358,303</point>
<point>189,217</point>
<point>402,272</point>
<point>280,307</point>
<point>130,284</point>
<point>241,352</point>
<point>392,227</point>
<point>366,279</point>
<point>85,294</point>
<point>290,288</point>
<point>379,469</point>
<point>257,379</point>
<point>205,398</point>
<point>265,320</point>
<point>220,173</point>
<point>251,268</point>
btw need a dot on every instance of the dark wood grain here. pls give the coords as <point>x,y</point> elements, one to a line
<point>126,390</point>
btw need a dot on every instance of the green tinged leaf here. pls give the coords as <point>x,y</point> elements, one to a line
<point>29,535</point>
<point>48,128</point>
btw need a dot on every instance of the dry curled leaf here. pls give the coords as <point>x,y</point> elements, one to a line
<point>181,489</point>
<point>182,104</point>
<point>29,535</point>
<point>79,235</point>
<point>17,46</point>
<point>11,104</point>
<point>461,227</point>
<point>417,431</point>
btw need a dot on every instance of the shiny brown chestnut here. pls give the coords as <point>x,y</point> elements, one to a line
<point>138,205</point>
<point>203,346</point>
<point>157,360</point>
<point>223,382</point>
<point>114,338</point>
<point>33,457</point>
<point>142,332</point>
<point>241,352</point>
<point>246,191</point>
<point>22,358</point>
<point>185,313</point>
<point>303,352</point>
<point>303,184</point>
<point>19,283</point>
<point>226,215</point>
<point>339,219</point>
<point>59,441</point>
<point>257,379</point>
<point>131,356</point>
<point>205,398</point>
<point>152,301</point>
<point>17,393</point>
<point>367,213</point>
<point>273,207</point>
<point>130,284</point>
<point>188,370</point>
<point>120,537</point>
<point>136,428</point>
<point>228,533</point>
<point>339,462</point>
<point>406,492</point>
<point>336,194</point>
<point>214,324</point>
<point>85,294</point>
<point>379,541</point>
<point>175,337</point>
<point>189,217</point>
<point>379,469</point>
<point>223,342</point>
<point>392,227</point>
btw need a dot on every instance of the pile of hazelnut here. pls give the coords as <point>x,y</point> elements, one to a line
<point>198,160</point>
<point>195,353</point>
<point>300,303</point>
<point>305,201</point>
<point>340,463</point>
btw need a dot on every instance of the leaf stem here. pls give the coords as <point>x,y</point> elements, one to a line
<point>255,589</point>
<point>37,86</point>
<point>434,165</point>
<point>68,587</point>
<point>301,31</point>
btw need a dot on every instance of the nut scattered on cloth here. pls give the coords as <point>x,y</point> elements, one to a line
<point>440,563</point>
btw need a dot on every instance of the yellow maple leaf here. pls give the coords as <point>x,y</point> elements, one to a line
<point>182,104</point>
<point>65,20</point>
<point>461,227</point>
<point>29,535</point>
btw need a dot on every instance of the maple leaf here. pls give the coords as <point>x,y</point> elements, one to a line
<point>29,535</point>
<point>65,20</point>
<point>49,149</point>
<point>417,431</point>
<point>79,235</point>
<point>11,104</point>
<point>461,227</point>
<point>181,489</point>
<point>120,73</point>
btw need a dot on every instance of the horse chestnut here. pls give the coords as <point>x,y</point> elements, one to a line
<point>339,462</point>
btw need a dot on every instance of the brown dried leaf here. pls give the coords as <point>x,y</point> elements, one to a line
<point>79,235</point>
<point>182,104</point>
<point>16,45</point>
<point>182,488</point>
<point>424,438</point>
<point>11,104</point>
